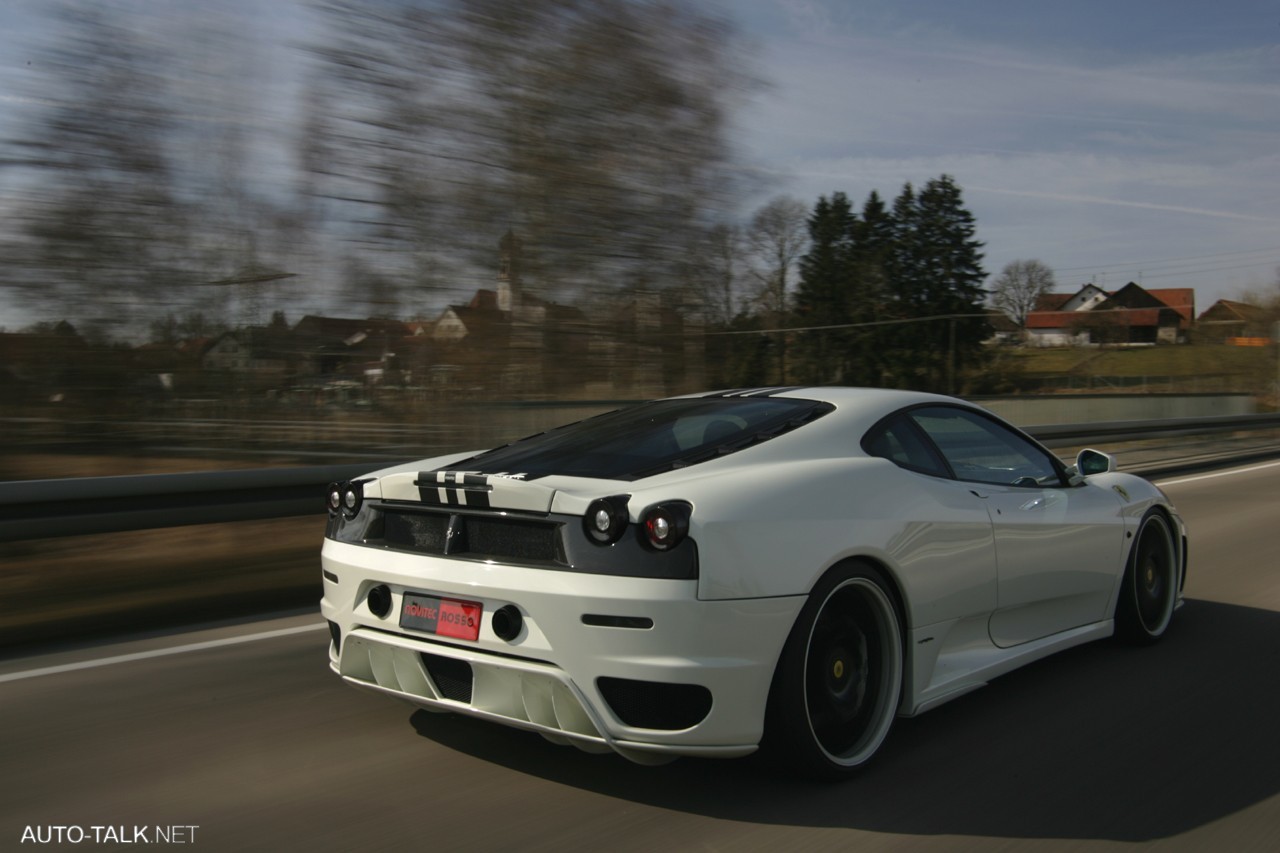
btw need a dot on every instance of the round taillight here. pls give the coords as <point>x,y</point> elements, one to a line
<point>606,519</point>
<point>665,525</point>
<point>352,495</point>
<point>333,498</point>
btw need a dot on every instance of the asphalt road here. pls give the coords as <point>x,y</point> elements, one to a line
<point>239,738</point>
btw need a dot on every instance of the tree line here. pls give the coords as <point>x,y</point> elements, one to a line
<point>154,181</point>
<point>151,170</point>
<point>889,295</point>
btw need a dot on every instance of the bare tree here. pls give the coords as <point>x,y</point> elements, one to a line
<point>1019,286</point>
<point>139,166</point>
<point>103,226</point>
<point>594,130</point>
<point>1266,297</point>
<point>777,237</point>
<point>717,274</point>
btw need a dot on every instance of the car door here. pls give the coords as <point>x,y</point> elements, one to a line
<point>1057,546</point>
<point>944,545</point>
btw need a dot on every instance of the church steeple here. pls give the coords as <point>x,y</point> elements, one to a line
<point>508,272</point>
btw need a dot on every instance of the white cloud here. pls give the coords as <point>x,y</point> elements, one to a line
<point>1083,158</point>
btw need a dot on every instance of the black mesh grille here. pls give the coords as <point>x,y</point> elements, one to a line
<point>654,704</point>
<point>507,538</point>
<point>416,531</point>
<point>452,677</point>
<point>476,536</point>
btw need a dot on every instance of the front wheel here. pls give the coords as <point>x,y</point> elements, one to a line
<point>839,679</point>
<point>1149,591</point>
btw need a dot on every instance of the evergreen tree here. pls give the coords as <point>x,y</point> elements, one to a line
<point>935,270</point>
<point>904,285</point>
<point>953,259</point>
<point>873,241</point>
<point>904,298</point>
<point>822,297</point>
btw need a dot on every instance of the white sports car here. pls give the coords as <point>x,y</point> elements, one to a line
<point>701,575</point>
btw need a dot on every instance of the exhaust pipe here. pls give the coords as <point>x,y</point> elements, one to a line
<point>507,622</point>
<point>379,600</point>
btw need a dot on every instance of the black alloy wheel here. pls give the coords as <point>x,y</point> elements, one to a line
<point>839,680</point>
<point>1150,589</point>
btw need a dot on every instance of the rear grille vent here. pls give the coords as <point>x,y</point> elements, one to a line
<point>498,537</point>
<point>507,539</point>
<point>416,531</point>
<point>452,677</point>
<point>654,704</point>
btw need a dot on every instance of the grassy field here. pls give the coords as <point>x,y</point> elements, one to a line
<point>1187,360</point>
<point>79,586</point>
<point>1181,369</point>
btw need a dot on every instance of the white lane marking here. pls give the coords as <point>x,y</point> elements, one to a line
<point>285,632</point>
<point>1251,468</point>
<point>157,653</point>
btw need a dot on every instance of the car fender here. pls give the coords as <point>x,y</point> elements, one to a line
<point>931,537</point>
<point>1138,496</point>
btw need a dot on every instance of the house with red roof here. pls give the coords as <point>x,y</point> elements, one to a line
<point>1227,319</point>
<point>1132,315</point>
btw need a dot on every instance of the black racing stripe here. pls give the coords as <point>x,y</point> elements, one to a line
<point>427,493</point>
<point>460,488</point>
<point>768,391</point>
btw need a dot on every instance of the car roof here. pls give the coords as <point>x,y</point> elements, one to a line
<point>867,401</point>
<point>856,409</point>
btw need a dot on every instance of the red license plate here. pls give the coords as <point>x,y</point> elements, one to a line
<point>445,617</point>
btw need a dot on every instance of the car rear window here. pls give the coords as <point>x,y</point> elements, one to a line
<point>648,439</point>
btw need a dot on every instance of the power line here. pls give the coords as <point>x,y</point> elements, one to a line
<point>1171,260</point>
<point>1175,267</point>
<point>1201,271</point>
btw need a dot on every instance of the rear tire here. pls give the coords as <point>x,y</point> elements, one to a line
<point>838,682</point>
<point>1149,591</point>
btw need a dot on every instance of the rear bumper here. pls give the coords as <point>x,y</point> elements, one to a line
<point>548,677</point>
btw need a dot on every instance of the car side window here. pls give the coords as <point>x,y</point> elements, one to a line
<point>899,441</point>
<point>982,450</point>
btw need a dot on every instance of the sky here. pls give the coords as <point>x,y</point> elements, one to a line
<point>1113,140</point>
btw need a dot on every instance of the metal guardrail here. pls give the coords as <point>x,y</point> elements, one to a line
<point>1058,436</point>
<point>35,509</point>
